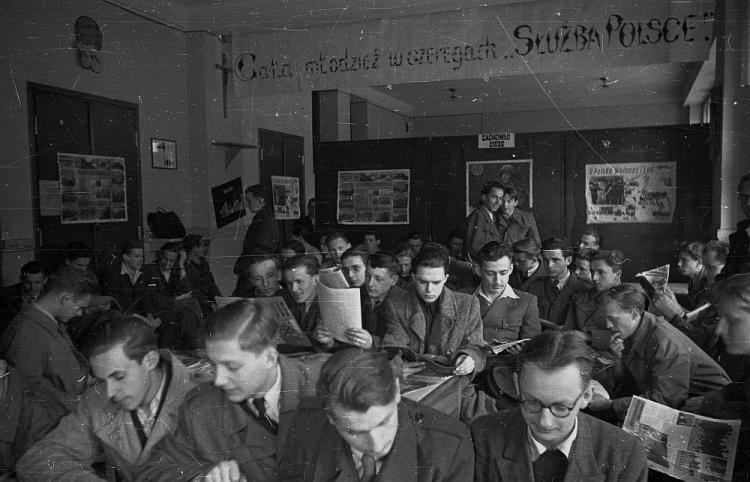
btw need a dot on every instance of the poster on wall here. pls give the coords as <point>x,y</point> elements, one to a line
<point>518,174</point>
<point>285,197</point>
<point>373,197</point>
<point>631,193</point>
<point>92,189</point>
<point>228,202</point>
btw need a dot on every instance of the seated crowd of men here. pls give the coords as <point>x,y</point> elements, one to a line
<point>92,385</point>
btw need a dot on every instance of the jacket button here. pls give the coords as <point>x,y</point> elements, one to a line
<point>418,418</point>
<point>449,352</point>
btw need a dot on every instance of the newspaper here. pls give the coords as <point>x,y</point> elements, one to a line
<point>340,307</point>
<point>656,278</point>
<point>289,331</point>
<point>498,346</point>
<point>681,444</point>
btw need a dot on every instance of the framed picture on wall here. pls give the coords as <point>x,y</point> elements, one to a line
<point>516,173</point>
<point>163,154</point>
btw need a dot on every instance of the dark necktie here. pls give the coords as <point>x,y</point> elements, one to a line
<point>555,288</point>
<point>263,419</point>
<point>368,468</point>
<point>551,466</point>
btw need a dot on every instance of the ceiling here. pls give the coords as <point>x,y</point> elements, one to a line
<point>657,83</point>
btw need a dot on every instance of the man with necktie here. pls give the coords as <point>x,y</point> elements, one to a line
<point>547,438</point>
<point>366,432</point>
<point>235,428</point>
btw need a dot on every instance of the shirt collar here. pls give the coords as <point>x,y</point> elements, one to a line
<point>489,213</point>
<point>39,307</point>
<point>561,284</point>
<point>132,274</point>
<point>565,446</point>
<point>639,338</point>
<point>147,415</point>
<point>507,293</point>
<point>272,396</point>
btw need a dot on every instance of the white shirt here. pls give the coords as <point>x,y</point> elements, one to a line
<point>133,275</point>
<point>507,293</point>
<point>357,458</point>
<point>561,284</point>
<point>147,415</point>
<point>271,398</point>
<point>538,449</point>
<point>492,216</point>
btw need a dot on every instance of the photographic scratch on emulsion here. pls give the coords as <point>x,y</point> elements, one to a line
<point>13,79</point>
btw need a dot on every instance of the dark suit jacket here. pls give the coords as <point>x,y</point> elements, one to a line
<point>521,225</point>
<point>738,259</point>
<point>518,282</point>
<point>429,446</point>
<point>129,296</point>
<point>509,319</point>
<point>600,451</point>
<point>555,308</point>
<point>406,327</point>
<point>480,229</point>
<point>211,429</point>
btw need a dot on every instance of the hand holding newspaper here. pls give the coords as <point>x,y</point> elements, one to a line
<point>654,280</point>
<point>339,305</point>
<point>681,444</point>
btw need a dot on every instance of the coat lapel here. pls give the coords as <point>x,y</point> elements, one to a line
<point>417,322</point>
<point>515,463</point>
<point>583,465</point>
<point>334,461</point>
<point>446,317</point>
<point>403,465</point>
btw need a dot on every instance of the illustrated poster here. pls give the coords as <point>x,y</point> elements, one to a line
<point>285,197</point>
<point>373,197</point>
<point>92,189</point>
<point>518,174</point>
<point>631,193</point>
<point>228,202</point>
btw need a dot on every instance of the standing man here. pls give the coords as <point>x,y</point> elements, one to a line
<point>38,345</point>
<point>235,429</point>
<point>367,432</point>
<point>132,407</point>
<point>555,291</point>
<point>436,320</point>
<point>653,359</point>
<point>527,263</point>
<point>16,297</point>
<point>481,224</point>
<point>514,224</point>
<point>548,438</point>
<point>507,315</point>
<point>738,259</point>
<point>262,236</point>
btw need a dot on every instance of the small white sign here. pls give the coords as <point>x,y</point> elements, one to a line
<point>495,141</point>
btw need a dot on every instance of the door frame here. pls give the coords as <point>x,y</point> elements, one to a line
<point>32,87</point>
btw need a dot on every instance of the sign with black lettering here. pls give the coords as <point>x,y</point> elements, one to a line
<point>228,202</point>
<point>497,141</point>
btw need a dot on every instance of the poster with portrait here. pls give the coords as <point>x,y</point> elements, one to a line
<point>285,197</point>
<point>641,192</point>
<point>518,174</point>
<point>228,202</point>
<point>92,189</point>
<point>373,197</point>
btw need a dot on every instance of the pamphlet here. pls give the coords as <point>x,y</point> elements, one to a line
<point>340,307</point>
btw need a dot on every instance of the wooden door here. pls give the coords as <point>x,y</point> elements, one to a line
<point>69,122</point>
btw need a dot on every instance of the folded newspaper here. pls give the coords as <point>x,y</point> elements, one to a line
<point>289,331</point>
<point>654,279</point>
<point>681,444</point>
<point>339,304</point>
<point>498,347</point>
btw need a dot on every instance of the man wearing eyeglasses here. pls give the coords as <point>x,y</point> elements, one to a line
<point>547,438</point>
<point>738,259</point>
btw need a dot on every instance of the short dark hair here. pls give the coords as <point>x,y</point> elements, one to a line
<point>310,263</point>
<point>551,244</point>
<point>613,257</point>
<point>76,249</point>
<point>130,246</point>
<point>33,267</point>
<point>494,251</point>
<point>259,191</point>
<point>556,349</point>
<point>404,249</point>
<point>490,185</point>
<point>432,255</point>
<point>455,233</point>
<point>510,191</point>
<point>594,233</point>
<point>71,280</point>
<point>137,337</point>
<point>414,235</point>
<point>191,241</point>
<point>528,246</point>
<point>384,260</point>
<point>694,249</point>
<point>262,258</point>
<point>336,235</point>
<point>295,246</point>
<point>356,379</point>
<point>626,296</point>
<point>354,253</point>
<point>300,229</point>
<point>251,324</point>
<point>735,287</point>
<point>718,248</point>
<point>372,232</point>
<point>743,180</point>
<point>171,246</point>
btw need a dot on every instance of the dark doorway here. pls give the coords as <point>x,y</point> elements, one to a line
<point>64,121</point>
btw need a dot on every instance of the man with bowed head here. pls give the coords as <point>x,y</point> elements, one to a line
<point>367,431</point>
<point>548,438</point>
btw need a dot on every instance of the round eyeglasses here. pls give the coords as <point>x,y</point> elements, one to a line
<point>557,409</point>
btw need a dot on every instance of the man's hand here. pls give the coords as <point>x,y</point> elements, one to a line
<point>183,296</point>
<point>464,365</point>
<point>410,368</point>
<point>359,337</point>
<point>694,404</point>
<point>323,336</point>
<point>616,345</point>
<point>666,303</point>
<point>598,402</point>
<point>514,350</point>
<point>226,471</point>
